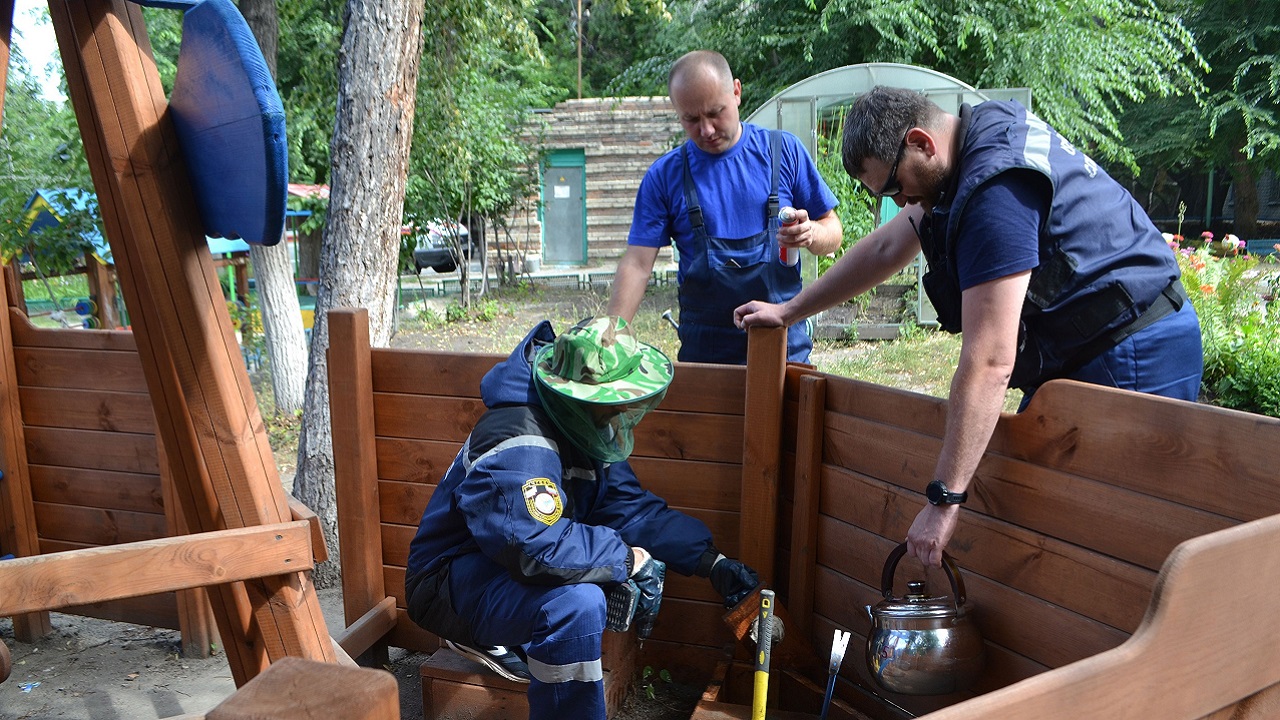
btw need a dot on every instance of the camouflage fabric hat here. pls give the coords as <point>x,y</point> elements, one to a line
<point>600,361</point>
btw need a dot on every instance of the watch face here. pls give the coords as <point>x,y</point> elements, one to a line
<point>936,492</point>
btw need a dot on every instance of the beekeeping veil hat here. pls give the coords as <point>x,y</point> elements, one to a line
<point>596,381</point>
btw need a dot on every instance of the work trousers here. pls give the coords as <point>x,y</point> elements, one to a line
<point>560,629</point>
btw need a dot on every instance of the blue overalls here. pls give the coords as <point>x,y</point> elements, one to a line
<point>719,274</point>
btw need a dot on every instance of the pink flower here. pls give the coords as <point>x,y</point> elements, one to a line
<point>1206,235</point>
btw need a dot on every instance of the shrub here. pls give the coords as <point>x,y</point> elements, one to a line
<point>1234,298</point>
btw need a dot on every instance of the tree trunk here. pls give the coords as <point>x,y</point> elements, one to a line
<point>272,266</point>
<point>1244,176</point>
<point>377,75</point>
<point>282,325</point>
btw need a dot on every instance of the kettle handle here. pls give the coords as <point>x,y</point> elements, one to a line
<point>948,566</point>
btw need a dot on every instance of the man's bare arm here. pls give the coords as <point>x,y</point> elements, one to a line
<point>631,279</point>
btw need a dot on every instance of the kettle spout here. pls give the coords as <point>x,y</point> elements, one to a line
<point>871,615</point>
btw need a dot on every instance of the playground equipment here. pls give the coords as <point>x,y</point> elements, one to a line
<point>206,418</point>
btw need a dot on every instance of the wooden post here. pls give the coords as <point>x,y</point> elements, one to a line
<point>195,620</point>
<point>13,285</point>
<point>762,449</point>
<point>804,511</point>
<point>355,465</point>
<point>205,409</point>
<point>101,291</point>
<point>17,509</point>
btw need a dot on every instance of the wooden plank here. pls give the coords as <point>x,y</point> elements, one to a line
<point>1151,445</point>
<point>1064,574</point>
<point>299,511</point>
<point>97,526</point>
<point>195,617</point>
<point>81,369</point>
<point>808,476</point>
<point>1192,625</point>
<point>152,566</point>
<point>400,503</point>
<point>370,628</point>
<point>689,436</point>
<point>761,449</point>
<point>425,417</point>
<point>26,335</point>
<point>417,461</point>
<point>683,483</point>
<point>135,492</point>
<point>159,610</point>
<point>1262,705</point>
<point>18,529</point>
<point>297,688</point>
<point>94,450</point>
<point>351,402</point>
<point>908,410</point>
<point>695,387</point>
<point>1023,623</point>
<point>88,409</point>
<point>1138,528</point>
<point>410,372</point>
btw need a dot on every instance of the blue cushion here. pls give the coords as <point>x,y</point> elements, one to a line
<point>230,122</point>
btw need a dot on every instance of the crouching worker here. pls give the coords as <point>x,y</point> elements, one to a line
<point>539,537</point>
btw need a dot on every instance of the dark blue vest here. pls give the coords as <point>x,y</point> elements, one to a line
<point>1102,262</point>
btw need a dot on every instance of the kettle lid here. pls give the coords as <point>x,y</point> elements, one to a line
<point>918,604</point>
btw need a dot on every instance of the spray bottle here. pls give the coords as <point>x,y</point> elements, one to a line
<point>788,256</point>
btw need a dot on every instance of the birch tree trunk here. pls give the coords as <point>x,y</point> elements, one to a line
<point>377,78</point>
<point>272,266</point>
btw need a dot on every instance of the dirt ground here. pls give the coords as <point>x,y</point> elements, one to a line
<point>90,669</point>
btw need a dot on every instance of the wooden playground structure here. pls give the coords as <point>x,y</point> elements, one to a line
<point>1120,550</point>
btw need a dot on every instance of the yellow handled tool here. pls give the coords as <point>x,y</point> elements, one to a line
<point>764,639</point>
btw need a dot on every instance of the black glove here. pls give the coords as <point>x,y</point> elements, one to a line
<point>733,580</point>
<point>648,578</point>
<point>620,606</point>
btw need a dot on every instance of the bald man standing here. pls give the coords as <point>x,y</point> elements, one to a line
<point>717,197</point>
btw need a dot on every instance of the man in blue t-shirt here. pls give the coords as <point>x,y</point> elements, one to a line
<point>717,196</point>
<point>1050,268</point>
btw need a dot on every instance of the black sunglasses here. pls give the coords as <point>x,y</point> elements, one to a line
<point>891,185</point>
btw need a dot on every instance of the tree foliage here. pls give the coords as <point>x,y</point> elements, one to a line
<point>40,148</point>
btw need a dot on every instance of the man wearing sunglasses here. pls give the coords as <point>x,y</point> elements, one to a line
<point>1049,267</point>
<point>717,198</point>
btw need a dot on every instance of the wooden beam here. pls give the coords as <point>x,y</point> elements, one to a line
<point>205,408</point>
<point>355,463</point>
<point>1204,613</point>
<point>804,511</point>
<point>355,460</point>
<point>762,449</point>
<point>369,629</point>
<point>79,577</point>
<point>18,534</point>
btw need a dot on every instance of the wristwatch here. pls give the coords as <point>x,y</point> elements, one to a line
<point>938,494</point>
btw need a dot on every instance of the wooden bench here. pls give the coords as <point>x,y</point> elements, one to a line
<point>1262,246</point>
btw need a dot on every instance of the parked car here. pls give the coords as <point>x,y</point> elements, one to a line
<point>436,247</point>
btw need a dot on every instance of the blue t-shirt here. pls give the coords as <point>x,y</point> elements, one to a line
<point>999,233</point>
<point>732,189</point>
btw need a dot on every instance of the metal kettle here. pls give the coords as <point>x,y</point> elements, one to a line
<point>922,645</point>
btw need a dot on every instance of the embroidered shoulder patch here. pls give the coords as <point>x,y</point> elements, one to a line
<point>542,497</point>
